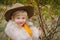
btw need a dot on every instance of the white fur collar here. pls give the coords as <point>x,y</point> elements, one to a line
<point>15,33</point>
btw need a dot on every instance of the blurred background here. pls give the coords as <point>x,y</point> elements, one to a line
<point>46,16</point>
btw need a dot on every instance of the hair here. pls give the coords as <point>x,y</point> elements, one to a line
<point>15,13</point>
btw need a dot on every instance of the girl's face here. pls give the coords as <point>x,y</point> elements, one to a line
<point>20,18</point>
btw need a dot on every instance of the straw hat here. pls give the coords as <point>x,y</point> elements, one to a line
<point>16,7</point>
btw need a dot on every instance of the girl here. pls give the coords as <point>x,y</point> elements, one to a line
<point>18,26</point>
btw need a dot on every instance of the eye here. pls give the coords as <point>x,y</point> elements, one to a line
<point>23,18</point>
<point>18,18</point>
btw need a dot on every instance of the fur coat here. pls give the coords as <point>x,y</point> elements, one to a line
<point>16,33</point>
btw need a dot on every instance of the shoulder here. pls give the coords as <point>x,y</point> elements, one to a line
<point>30,24</point>
<point>10,26</point>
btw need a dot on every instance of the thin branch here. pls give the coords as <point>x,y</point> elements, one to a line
<point>40,18</point>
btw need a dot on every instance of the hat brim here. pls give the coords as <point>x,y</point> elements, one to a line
<point>29,9</point>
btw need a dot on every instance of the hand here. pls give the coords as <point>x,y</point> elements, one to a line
<point>40,30</point>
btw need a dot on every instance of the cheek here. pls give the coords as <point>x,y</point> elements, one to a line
<point>24,20</point>
<point>16,20</point>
